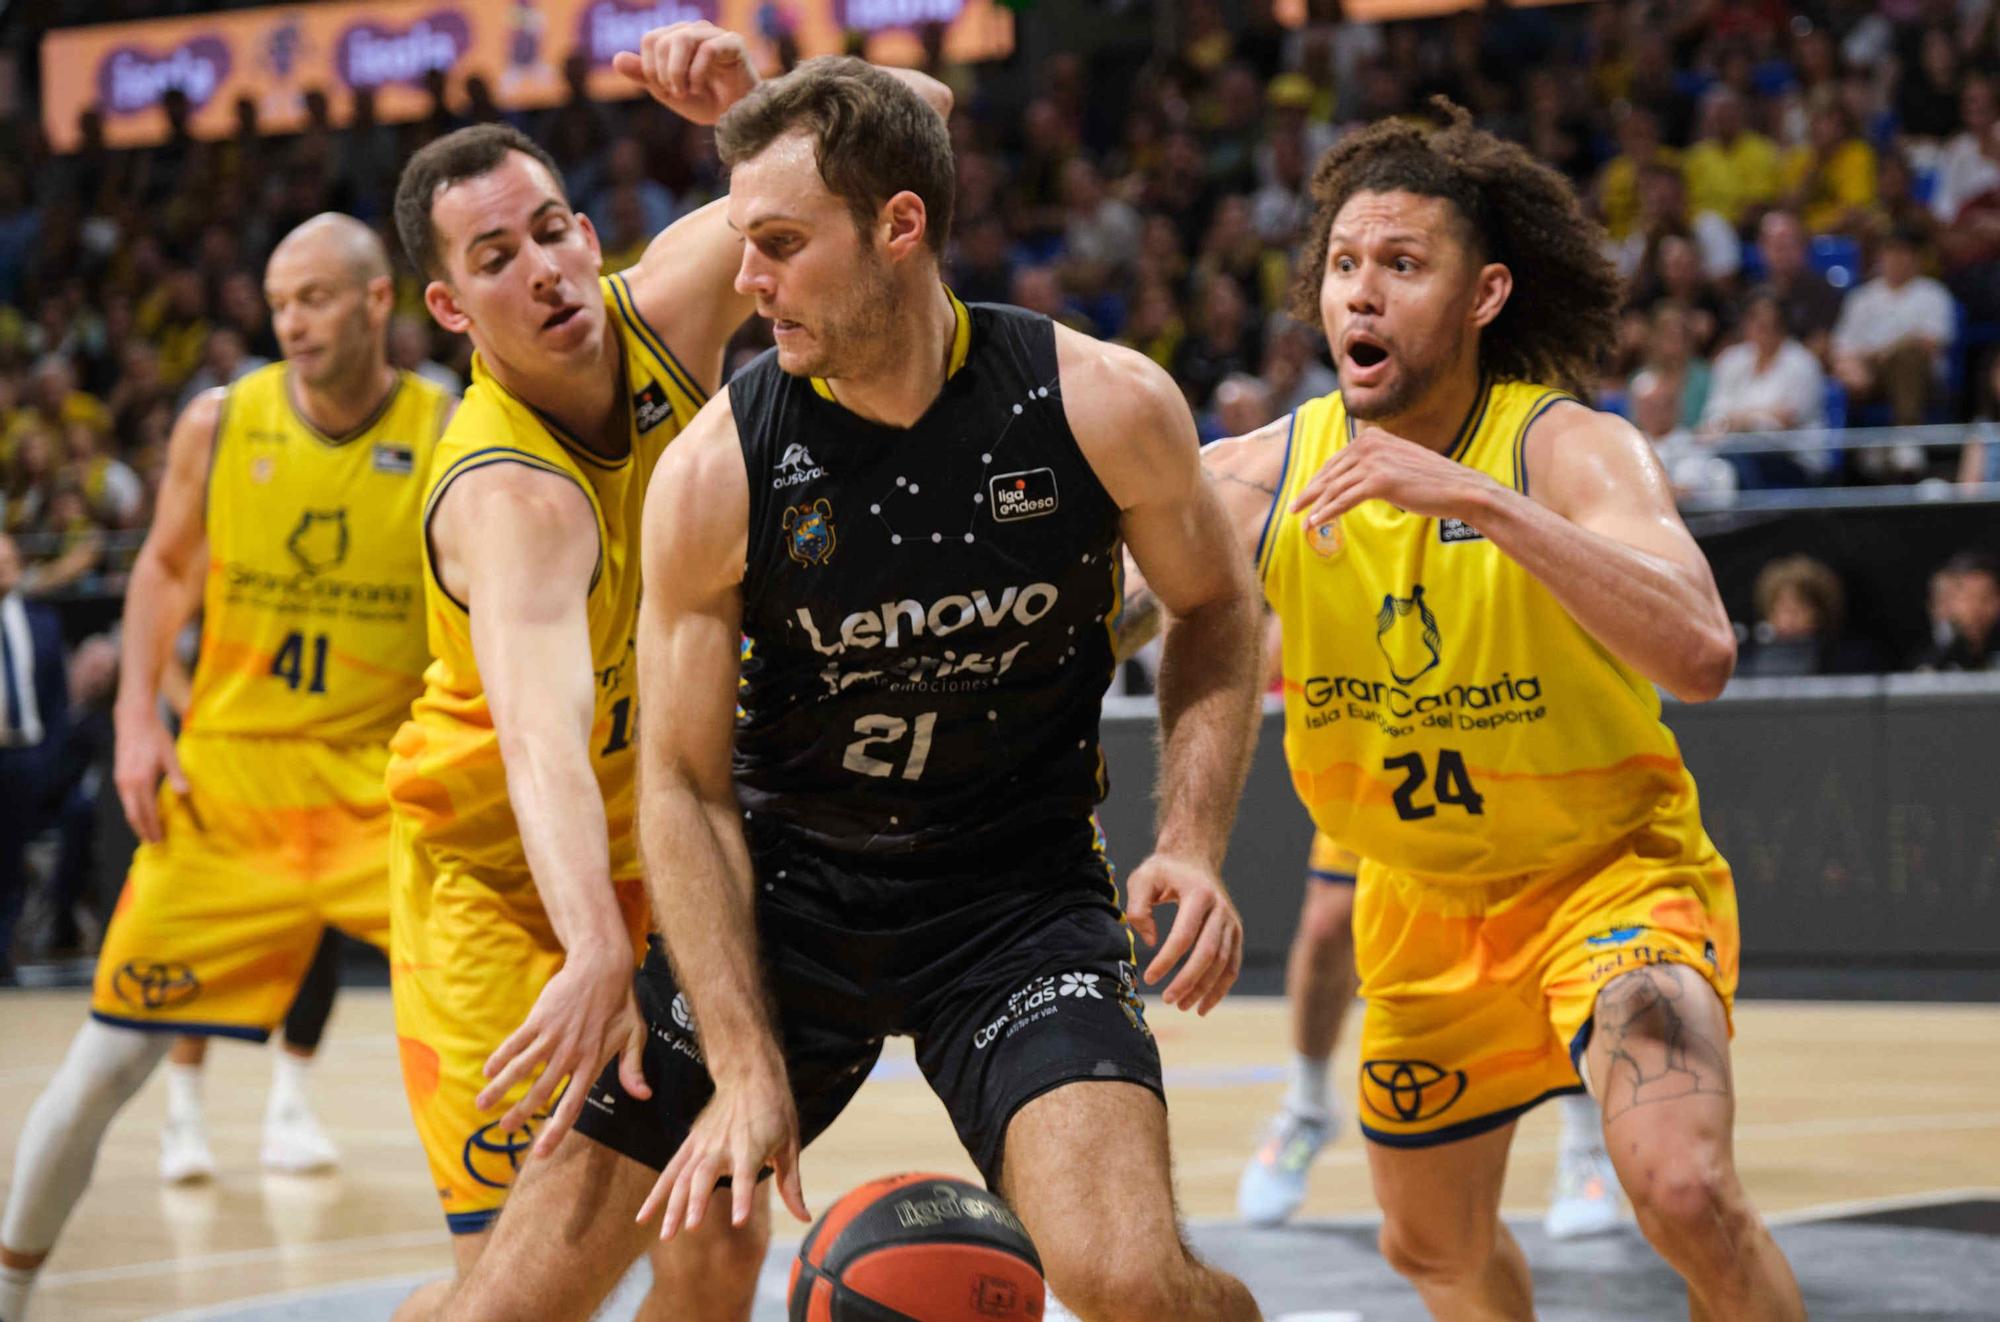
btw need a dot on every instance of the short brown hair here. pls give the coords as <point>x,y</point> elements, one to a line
<point>1512,209</point>
<point>1813,581</point>
<point>458,156</point>
<point>874,137</point>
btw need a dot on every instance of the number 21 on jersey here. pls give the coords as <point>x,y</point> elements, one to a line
<point>888,733</point>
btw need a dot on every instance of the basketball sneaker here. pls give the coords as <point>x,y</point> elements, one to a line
<point>1274,1183</point>
<point>1586,1200</point>
<point>184,1153</point>
<point>294,1141</point>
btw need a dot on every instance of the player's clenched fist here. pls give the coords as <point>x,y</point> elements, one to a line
<point>697,70</point>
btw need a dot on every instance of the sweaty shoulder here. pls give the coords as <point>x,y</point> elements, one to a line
<point>1577,455</point>
<point>1128,417</point>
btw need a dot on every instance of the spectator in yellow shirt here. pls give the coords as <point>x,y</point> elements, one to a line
<point>1731,169</point>
<point>1830,181</point>
<point>1618,182</point>
<point>53,403</point>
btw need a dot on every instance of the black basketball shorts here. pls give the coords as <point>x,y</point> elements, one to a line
<point>1006,1000</point>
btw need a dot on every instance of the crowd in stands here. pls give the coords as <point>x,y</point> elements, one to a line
<point>1804,200</point>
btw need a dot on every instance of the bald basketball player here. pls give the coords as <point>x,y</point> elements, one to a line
<point>289,515</point>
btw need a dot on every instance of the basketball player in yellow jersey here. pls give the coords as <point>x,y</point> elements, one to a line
<point>289,515</point>
<point>1481,581</point>
<point>520,912</point>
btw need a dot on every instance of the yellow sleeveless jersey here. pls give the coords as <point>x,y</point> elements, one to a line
<point>311,622</point>
<point>1444,716</point>
<point>445,773</point>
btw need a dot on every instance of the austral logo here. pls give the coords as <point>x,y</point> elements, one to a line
<point>809,532</point>
<point>650,407</point>
<point>1025,495</point>
<point>795,468</point>
<point>320,541</point>
<point>1407,633</point>
<point>1409,1091</point>
<point>1615,936</point>
<point>155,985</point>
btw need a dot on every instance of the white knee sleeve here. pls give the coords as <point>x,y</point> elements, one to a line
<point>104,1069</point>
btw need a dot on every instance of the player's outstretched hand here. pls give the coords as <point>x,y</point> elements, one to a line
<point>1207,929</point>
<point>1379,465</point>
<point>584,1016</point>
<point>747,1126</point>
<point>697,70</point>
<point>145,753</point>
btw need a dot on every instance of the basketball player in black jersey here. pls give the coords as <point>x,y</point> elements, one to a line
<point>906,521</point>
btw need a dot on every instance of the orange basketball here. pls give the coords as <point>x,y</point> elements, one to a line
<point>917,1248</point>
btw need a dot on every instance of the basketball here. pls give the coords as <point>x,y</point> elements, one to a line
<point>917,1248</point>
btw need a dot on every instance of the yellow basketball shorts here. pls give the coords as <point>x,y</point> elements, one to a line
<point>1480,996</point>
<point>276,840</point>
<point>1328,862</point>
<point>471,951</point>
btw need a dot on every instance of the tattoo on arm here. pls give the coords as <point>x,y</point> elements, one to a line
<point>1138,622</point>
<point>1657,1047</point>
<point>1246,482</point>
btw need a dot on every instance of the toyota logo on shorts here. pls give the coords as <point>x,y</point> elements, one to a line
<point>1409,1091</point>
<point>155,984</point>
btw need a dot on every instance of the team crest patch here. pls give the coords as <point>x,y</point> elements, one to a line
<point>1407,633</point>
<point>398,459</point>
<point>1326,539</point>
<point>650,407</point>
<point>319,543</point>
<point>809,532</point>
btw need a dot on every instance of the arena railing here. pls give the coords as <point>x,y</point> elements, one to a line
<point>1834,447</point>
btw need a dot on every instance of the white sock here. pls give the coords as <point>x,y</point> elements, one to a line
<point>1582,1127</point>
<point>104,1068</point>
<point>183,1094</point>
<point>1309,1095</point>
<point>15,1283</point>
<point>288,1083</point>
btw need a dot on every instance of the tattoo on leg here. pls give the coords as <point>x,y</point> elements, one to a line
<point>1653,1054</point>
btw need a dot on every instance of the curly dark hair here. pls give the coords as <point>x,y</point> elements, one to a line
<point>1517,211</point>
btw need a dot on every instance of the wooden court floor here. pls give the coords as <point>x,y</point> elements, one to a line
<point>1840,1103</point>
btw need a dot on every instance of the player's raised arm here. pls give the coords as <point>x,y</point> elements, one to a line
<point>1135,429</point>
<point>690,825</point>
<point>685,284</point>
<point>1246,471</point>
<point>518,546</point>
<point>165,589</point>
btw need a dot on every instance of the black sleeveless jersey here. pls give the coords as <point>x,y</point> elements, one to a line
<point>927,613</point>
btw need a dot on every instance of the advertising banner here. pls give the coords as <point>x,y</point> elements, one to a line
<point>274,56</point>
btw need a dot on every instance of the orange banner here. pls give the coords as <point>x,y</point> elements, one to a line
<point>273,57</point>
